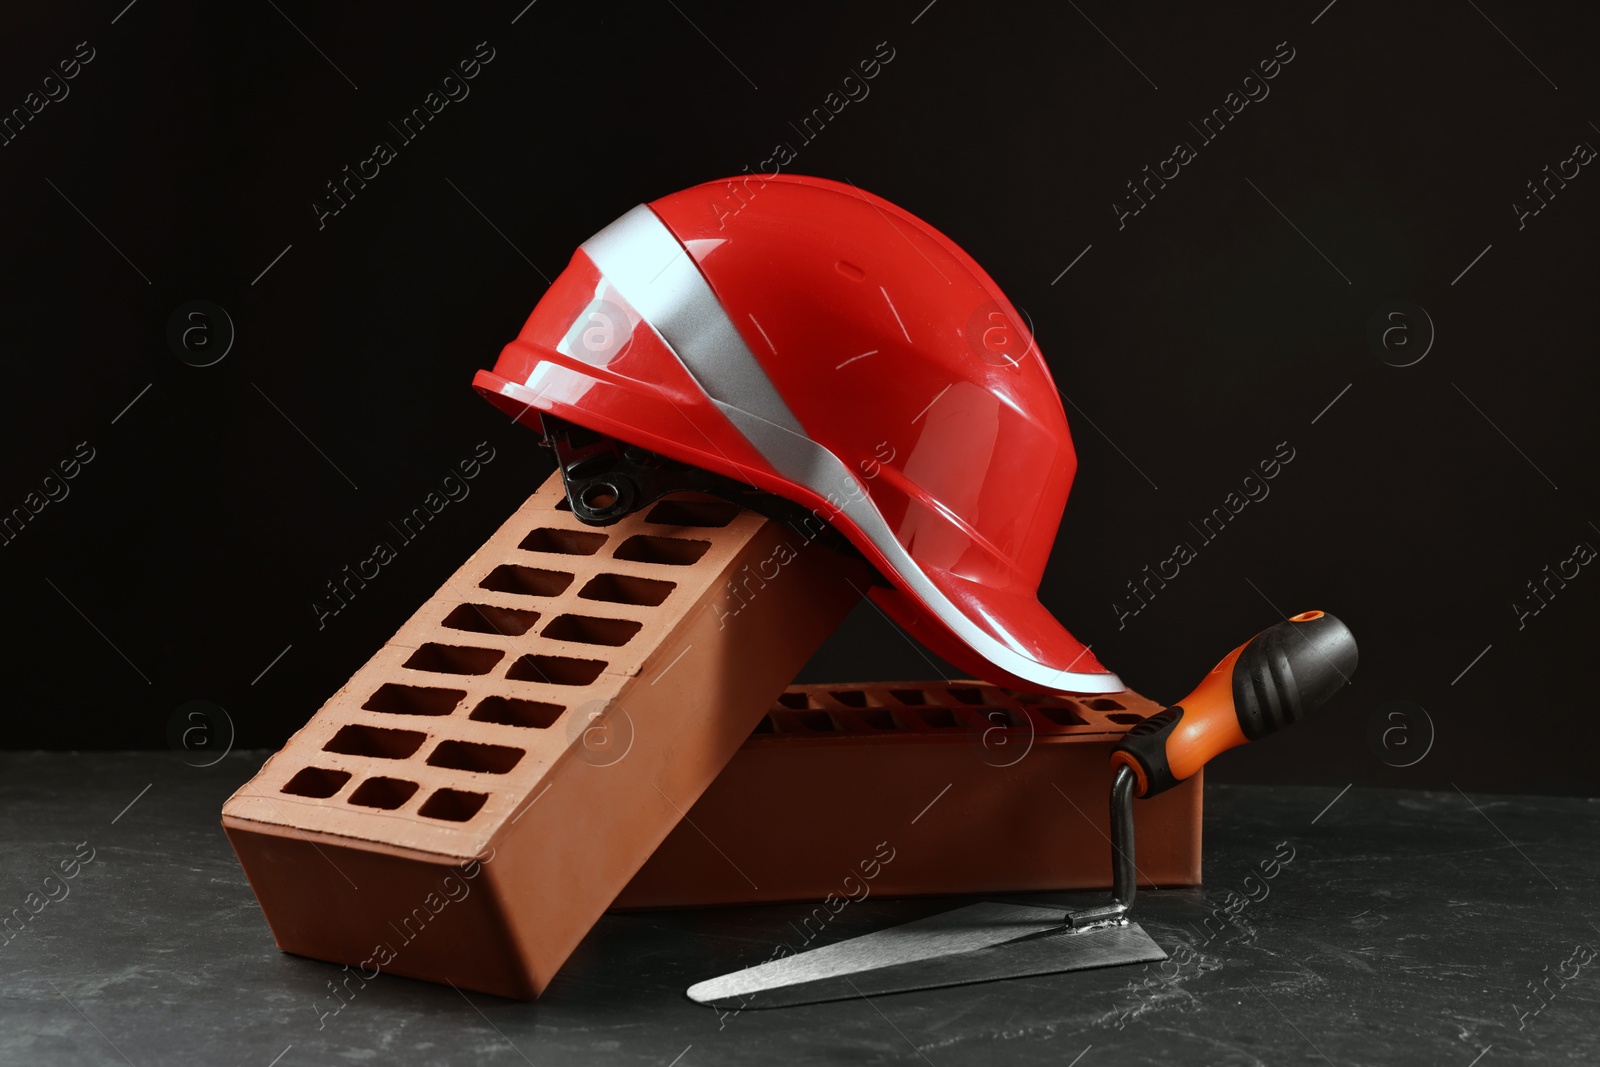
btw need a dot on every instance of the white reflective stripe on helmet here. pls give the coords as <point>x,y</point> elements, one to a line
<point>644,261</point>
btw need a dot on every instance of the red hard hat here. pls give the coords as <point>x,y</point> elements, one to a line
<point>817,342</point>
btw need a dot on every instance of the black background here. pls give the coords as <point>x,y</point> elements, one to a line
<point>1196,338</point>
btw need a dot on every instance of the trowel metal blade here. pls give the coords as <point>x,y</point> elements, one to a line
<point>979,943</point>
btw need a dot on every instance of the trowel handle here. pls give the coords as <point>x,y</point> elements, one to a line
<point>1263,685</point>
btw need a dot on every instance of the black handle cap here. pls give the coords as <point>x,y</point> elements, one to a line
<point>1290,668</point>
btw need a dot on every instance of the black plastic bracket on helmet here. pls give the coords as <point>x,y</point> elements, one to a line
<point>607,480</point>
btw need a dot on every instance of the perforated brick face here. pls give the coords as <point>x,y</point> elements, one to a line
<point>951,709</point>
<point>470,730</point>
<point>472,695</point>
<point>974,788</point>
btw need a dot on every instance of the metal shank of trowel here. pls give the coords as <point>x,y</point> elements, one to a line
<point>1260,687</point>
<point>1123,881</point>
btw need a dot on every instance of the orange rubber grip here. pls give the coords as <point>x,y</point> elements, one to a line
<point>1265,684</point>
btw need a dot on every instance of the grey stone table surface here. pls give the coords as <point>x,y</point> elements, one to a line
<point>1363,927</point>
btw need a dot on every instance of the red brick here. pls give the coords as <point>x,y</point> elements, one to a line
<point>463,763</point>
<point>835,770</point>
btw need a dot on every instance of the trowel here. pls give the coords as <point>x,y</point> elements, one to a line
<point>1265,684</point>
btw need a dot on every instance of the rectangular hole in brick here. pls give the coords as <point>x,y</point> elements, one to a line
<point>556,670</point>
<point>798,701</point>
<point>710,514</point>
<point>588,630</point>
<point>454,659</point>
<point>878,720</point>
<point>526,581</point>
<point>489,619</point>
<point>938,718</point>
<point>385,793</point>
<point>1103,704</point>
<point>316,782</point>
<point>395,699</point>
<point>850,698</point>
<point>819,721</point>
<point>1125,718</point>
<point>669,551</point>
<point>562,542</point>
<point>452,805</point>
<point>509,711</point>
<point>966,695</point>
<point>626,589</point>
<point>1061,716</point>
<point>911,697</point>
<point>375,741</point>
<point>472,756</point>
<point>765,726</point>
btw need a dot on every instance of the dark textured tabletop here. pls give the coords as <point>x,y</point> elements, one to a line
<point>1356,927</point>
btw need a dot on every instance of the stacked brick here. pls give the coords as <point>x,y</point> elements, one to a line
<point>969,787</point>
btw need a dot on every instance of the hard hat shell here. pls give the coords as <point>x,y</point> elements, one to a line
<point>820,343</point>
